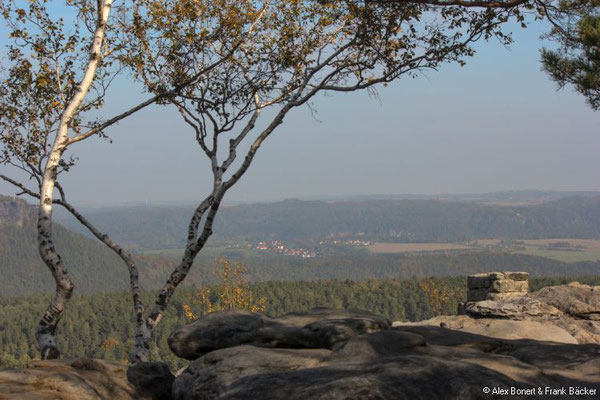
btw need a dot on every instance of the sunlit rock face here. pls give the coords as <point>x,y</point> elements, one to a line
<point>79,379</point>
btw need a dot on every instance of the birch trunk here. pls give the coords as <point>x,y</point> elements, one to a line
<point>46,329</point>
<point>195,244</point>
<point>141,350</point>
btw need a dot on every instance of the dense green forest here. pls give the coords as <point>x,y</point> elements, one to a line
<point>100,325</point>
<point>423,220</point>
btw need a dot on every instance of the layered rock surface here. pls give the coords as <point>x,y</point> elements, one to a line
<point>80,379</point>
<point>333,354</point>
<point>497,286</point>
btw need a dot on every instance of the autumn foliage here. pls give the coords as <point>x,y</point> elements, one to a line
<point>231,293</point>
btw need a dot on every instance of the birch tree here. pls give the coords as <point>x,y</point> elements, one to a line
<point>56,77</point>
<point>44,98</point>
<point>298,50</point>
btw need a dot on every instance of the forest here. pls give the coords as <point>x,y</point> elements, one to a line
<point>101,325</point>
<point>96,269</point>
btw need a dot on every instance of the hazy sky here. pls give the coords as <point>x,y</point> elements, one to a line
<point>496,124</point>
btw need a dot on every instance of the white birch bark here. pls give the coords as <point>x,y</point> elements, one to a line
<point>46,328</point>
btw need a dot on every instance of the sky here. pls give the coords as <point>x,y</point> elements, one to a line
<point>496,124</point>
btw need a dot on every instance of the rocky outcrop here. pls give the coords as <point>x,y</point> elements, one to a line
<point>262,360</point>
<point>565,314</point>
<point>576,300</point>
<point>80,379</point>
<point>320,328</point>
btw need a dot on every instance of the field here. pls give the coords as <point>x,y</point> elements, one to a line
<point>567,250</point>
<point>389,248</point>
<point>591,244</point>
<point>563,255</point>
<point>577,250</point>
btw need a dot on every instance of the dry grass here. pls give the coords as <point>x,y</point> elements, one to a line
<point>488,242</point>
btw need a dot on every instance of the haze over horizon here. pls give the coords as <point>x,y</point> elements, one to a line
<point>498,124</point>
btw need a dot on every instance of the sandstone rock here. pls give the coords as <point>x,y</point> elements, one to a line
<point>215,331</point>
<point>408,377</point>
<point>386,343</point>
<point>499,328</point>
<point>509,285</point>
<point>575,299</point>
<point>579,362</point>
<point>496,286</point>
<point>453,365</point>
<point>208,376</point>
<point>516,308</point>
<point>517,276</point>
<point>319,328</point>
<point>412,360</point>
<point>151,379</point>
<point>80,379</point>
<point>504,296</point>
<point>303,318</point>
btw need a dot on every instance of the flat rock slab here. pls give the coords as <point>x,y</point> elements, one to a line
<point>518,308</point>
<point>80,379</point>
<point>498,328</point>
<point>319,328</point>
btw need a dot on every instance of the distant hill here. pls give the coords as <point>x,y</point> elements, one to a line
<point>91,265</point>
<point>96,269</point>
<point>503,197</point>
<point>159,227</point>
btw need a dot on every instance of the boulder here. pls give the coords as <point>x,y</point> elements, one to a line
<point>80,379</point>
<point>574,299</point>
<point>210,375</point>
<point>319,328</point>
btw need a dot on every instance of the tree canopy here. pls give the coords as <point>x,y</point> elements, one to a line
<point>577,61</point>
